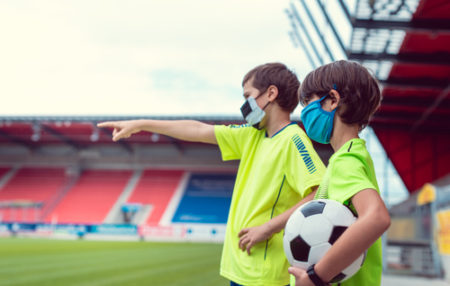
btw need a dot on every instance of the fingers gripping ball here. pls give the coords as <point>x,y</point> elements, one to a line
<point>312,229</point>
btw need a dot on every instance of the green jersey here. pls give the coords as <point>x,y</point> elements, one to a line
<point>274,174</point>
<point>349,171</point>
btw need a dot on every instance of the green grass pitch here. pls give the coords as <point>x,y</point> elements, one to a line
<point>40,262</point>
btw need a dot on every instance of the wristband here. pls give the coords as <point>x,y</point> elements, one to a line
<point>314,277</point>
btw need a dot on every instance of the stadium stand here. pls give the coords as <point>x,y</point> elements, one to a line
<point>156,188</point>
<point>91,197</point>
<point>3,171</point>
<point>4,178</point>
<point>206,199</point>
<point>31,185</point>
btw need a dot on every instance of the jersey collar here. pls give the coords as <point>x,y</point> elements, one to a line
<point>280,130</point>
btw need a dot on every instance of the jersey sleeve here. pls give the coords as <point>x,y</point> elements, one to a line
<point>231,140</point>
<point>349,176</point>
<point>304,168</point>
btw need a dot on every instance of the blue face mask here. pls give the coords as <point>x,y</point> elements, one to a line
<point>318,122</point>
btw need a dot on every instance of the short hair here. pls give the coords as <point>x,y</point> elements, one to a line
<point>358,89</point>
<point>279,75</point>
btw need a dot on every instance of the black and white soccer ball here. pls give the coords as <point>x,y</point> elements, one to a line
<point>312,229</point>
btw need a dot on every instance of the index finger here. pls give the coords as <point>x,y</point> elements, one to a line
<point>106,124</point>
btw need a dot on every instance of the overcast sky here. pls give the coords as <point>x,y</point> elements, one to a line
<point>137,57</point>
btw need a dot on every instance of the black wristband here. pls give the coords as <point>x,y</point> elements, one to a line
<point>314,277</point>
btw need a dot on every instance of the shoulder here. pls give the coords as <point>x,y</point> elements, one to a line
<point>234,128</point>
<point>343,162</point>
<point>353,152</point>
<point>350,171</point>
<point>289,132</point>
<point>294,128</point>
<point>353,160</point>
<point>298,138</point>
<point>300,148</point>
<point>237,133</point>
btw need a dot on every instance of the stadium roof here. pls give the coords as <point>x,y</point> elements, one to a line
<point>407,46</point>
<point>413,122</point>
<point>81,131</point>
<point>417,50</point>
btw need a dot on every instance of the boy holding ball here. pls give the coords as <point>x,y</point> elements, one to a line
<point>339,99</point>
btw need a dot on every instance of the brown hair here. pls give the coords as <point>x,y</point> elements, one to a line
<point>358,89</point>
<point>279,75</point>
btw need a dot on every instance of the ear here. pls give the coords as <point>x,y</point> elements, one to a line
<point>335,99</point>
<point>273,92</point>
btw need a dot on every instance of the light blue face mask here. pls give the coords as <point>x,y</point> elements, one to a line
<point>252,113</point>
<point>318,122</point>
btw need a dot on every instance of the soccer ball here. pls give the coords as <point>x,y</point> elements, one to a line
<point>312,229</point>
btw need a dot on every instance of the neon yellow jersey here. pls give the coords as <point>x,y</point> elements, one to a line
<point>351,170</point>
<point>274,174</point>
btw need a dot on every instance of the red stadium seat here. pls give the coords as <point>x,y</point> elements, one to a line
<point>33,185</point>
<point>156,188</point>
<point>92,197</point>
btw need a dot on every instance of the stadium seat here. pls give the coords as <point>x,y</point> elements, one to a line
<point>91,198</point>
<point>27,186</point>
<point>156,188</point>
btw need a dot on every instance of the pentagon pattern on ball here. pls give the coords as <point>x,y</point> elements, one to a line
<point>300,249</point>
<point>314,207</point>
<point>336,233</point>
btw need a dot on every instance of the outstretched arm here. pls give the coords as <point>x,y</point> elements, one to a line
<point>188,130</point>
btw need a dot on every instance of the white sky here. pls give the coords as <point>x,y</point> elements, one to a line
<point>144,57</point>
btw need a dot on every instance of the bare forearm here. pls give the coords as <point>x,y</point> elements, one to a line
<point>188,130</point>
<point>353,242</point>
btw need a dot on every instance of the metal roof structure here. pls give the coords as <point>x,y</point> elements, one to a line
<point>406,44</point>
<point>81,131</point>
